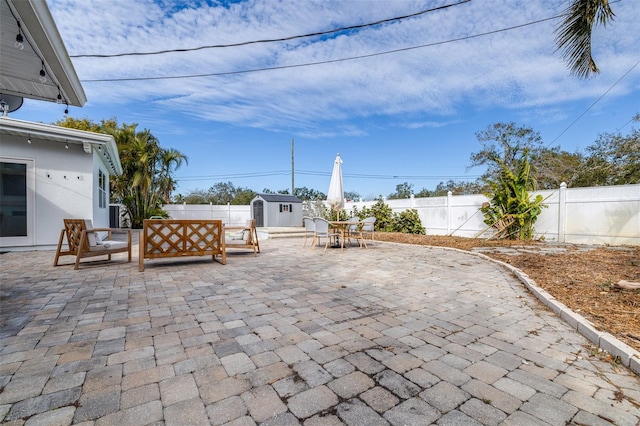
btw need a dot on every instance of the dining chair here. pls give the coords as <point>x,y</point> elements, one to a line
<point>309,229</point>
<point>367,229</point>
<point>323,231</point>
<point>353,231</point>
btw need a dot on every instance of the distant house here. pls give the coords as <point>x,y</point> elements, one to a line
<point>276,210</point>
<point>48,173</point>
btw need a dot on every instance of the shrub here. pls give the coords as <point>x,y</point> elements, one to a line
<point>408,222</point>
<point>512,212</point>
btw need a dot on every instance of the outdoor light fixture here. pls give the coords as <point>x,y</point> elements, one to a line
<point>59,98</point>
<point>43,75</point>
<point>19,44</point>
<point>66,145</point>
<point>29,140</point>
<point>66,110</point>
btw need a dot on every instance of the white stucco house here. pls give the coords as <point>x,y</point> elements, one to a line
<point>47,172</point>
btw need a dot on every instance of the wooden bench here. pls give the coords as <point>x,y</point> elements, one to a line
<point>83,240</point>
<point>246,238</point>
<point>161,238</point>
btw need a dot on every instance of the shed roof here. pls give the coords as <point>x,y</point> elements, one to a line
<point>279,198</point>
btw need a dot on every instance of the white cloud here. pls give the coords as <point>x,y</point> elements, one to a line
<point>515,69</point>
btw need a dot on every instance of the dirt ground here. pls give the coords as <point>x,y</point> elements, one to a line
<point>584,280</point>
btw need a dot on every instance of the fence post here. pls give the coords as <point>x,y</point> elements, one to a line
<point>449,202</point>
<point>562,212</point>
<point>229,213</point>
<point>184,209</point>
<point>412,201</point>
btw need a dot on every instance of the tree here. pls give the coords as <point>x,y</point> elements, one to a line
<point>512,213</point>
<point>243,197</point>
<point>305,193</point>
<point>613,159</point>
<point>456,188</point>
<point>505,142</point>
<point>170,159</point>
<point>554,166</point>
<point>350,195</point>
<point>403,190</point>
<point>574,34</point>
<point>147,178</point>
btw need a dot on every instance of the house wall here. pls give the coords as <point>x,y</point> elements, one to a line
<point>64,185</point>
<point>100,214</point>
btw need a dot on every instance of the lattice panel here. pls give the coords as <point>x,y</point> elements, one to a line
<point>74,233</point>
<point>167,238</point>
<point>164,238</point>
<point>202,237</point>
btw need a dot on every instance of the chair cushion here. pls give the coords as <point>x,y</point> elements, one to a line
<point>109,246</point>
<point>242,235</point>
<point>93,237</point>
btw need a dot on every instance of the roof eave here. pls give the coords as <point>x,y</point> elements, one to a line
<point>42,28</point>
<point>51,132</point>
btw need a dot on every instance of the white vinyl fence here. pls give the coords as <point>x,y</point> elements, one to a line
<point>230,215</point>
<point>593,215</point>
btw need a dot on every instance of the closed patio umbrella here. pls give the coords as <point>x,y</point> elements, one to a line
<point>335,196</point>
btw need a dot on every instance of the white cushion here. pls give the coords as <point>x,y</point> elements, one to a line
<point>110,245</point>
<point>93,237</point>
<point>242,235</point>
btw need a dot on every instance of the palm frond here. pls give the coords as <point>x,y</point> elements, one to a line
<point>574,34</point>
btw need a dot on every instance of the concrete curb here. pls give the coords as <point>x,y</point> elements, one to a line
<point>628,356</point>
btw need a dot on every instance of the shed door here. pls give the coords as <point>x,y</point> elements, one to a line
<point>17,182</point>
<point>258,212</point>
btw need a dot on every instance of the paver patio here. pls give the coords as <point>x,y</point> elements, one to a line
<point>396,334</point>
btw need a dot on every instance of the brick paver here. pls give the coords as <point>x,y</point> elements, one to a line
<point>390,335</point>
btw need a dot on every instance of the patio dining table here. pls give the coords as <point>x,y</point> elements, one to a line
<point>343,226</point>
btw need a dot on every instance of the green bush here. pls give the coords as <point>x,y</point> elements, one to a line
<point>408,222</point>
<point>512,212</point>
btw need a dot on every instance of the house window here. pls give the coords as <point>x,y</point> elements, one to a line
<point>102,190</point>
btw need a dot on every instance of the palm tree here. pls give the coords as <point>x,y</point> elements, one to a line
<point>574,34</point>
<point>170,159</point>
<point>136,189</point>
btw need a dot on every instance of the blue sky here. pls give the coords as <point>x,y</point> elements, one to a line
<point>407,116</point>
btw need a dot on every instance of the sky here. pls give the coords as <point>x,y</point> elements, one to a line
<point>400,101</point>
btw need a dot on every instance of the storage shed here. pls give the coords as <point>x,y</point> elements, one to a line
<point>276,210</point>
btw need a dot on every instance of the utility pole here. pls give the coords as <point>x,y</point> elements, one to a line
<point>292,170</point>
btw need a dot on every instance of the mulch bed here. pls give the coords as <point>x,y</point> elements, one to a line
<point>583,280</point>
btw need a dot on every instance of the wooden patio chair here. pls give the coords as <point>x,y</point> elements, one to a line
<point>246,237</point>
<point>83,241</point>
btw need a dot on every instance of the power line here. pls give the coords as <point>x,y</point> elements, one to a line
<point>237,175</point>
<point>321,173</point>
<point>329,61</point>
<point>245,43</point>
<point>595,102</point>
